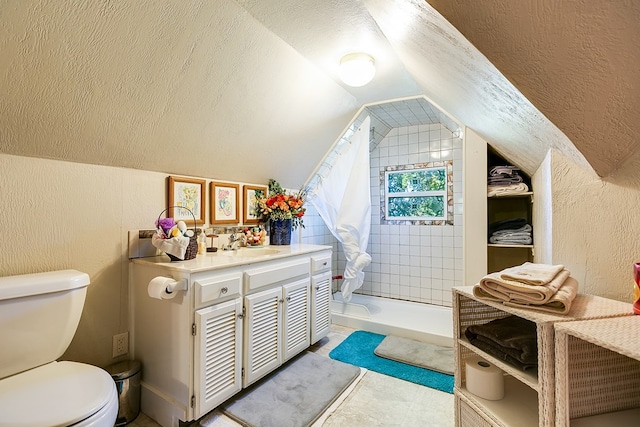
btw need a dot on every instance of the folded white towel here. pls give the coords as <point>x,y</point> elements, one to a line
<point>176,246</point>
<point>505,190</point>
<point>559,303</point>
<point>532,273</point>
<point>501,289</point>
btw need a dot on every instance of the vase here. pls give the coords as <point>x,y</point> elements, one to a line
<point>636,288</point>
<point>280,232</point>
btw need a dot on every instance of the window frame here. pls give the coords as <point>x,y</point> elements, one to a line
<point>446,194</point>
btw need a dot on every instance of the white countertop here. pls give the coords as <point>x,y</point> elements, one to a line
<point>224,259</point>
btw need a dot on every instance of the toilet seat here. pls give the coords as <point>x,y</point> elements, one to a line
<point>55,394</point>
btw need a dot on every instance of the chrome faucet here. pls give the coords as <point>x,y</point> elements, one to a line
<point>234,241</point>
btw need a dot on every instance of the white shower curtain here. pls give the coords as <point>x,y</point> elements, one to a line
<point>343,200</point>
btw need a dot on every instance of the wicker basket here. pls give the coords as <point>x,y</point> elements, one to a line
<point>192,248</point>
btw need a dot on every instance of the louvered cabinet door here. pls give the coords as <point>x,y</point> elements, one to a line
<point>296,317</point>
<point>320,306</point>
<point>217,354</point>
<point>262,328</point>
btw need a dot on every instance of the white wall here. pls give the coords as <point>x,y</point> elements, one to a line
<point>415,262</point>
<point>542,211</point>
<point>475,207</point>
<point>596,223</point>
<point>59,215</point>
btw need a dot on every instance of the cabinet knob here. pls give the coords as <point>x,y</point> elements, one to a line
<point>318,288</point>
<point>324,263</point>
<point>288,299</point>
<point>224,290</point>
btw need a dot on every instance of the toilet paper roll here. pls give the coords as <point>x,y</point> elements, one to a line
<point>484,379</point>
<point>162,288</point>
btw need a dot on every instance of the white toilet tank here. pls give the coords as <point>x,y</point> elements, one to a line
<point>39,314</point>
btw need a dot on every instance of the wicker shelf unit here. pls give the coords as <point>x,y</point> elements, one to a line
<point>529,398</point>
<point>598,372</point>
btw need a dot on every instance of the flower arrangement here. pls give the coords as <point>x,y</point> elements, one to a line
<point>280,205</point>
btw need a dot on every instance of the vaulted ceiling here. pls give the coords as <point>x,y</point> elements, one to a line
<point>246,90</point>
<point>577,61</point>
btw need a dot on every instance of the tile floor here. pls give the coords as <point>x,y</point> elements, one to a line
<point>377,400</point>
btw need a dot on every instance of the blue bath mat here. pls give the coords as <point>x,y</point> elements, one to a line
<point>358,349</point>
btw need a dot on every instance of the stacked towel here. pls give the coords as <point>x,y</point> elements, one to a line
<point>504,175</point>
<point>540,287</point>
<point>511,339</point>
<point>514,231</point>
<point>505,180</point>
<point>506,190</point>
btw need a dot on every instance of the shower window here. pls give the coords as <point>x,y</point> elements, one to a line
<point>417,194</point>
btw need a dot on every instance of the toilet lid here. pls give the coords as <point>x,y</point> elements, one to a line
<point>55,394</point>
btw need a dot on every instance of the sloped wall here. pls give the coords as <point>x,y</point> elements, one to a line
<point>59,215</point>
<point>596,224</point>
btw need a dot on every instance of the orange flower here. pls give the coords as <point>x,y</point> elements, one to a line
<point>281,205</point>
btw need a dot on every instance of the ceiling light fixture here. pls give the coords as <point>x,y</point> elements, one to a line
<point>357,69</point>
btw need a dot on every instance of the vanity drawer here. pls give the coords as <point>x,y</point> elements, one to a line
<point>256,278</point>
<point>218,287</point>
<point>320,262</point>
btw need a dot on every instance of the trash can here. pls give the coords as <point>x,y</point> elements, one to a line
<point>126,374</point>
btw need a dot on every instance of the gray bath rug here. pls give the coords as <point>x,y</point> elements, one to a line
<point>295,395</point>
<point>417,353</point>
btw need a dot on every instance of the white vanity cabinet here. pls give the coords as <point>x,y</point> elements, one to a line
<point>276,316</point>
<point>240,317</point>
<point>321,278</point>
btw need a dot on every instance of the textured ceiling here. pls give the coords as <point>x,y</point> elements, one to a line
<point>577,61</point>
<point>245,90</point>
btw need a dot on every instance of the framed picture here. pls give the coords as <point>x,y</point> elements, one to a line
<point>249,207</point>
<point>189,193</point>
<point>225,203</point>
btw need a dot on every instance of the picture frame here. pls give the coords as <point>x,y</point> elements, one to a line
<point>225,203</point>
<point>249,214</point>
<point>190,193</point>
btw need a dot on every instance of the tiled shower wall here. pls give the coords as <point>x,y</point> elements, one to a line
<point>418,263</point>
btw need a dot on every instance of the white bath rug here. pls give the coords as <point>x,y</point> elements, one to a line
<point>417,353</point>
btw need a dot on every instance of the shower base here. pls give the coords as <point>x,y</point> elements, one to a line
<point>418,321</point>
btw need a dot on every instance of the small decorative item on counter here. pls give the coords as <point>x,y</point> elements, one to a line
<point>636,288</point>
<point>202,243</point>
<point>213,247</point>
<point>254,236</point>
<point>174,238</point>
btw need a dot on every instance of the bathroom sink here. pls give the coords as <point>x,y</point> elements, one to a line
<point>250,252</point>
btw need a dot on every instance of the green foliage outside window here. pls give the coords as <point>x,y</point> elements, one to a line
<point>417,193</point>
<point>417,181</point>
<point>431,206</point>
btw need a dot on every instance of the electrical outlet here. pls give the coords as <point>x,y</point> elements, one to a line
<point>120,344</point>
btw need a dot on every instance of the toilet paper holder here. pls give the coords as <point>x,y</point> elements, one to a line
<point>164,288</point>
<point>176,286</point>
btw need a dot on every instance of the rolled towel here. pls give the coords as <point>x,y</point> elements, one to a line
<point>494,286</point>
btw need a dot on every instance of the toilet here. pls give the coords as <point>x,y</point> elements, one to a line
<point>39,314</point>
